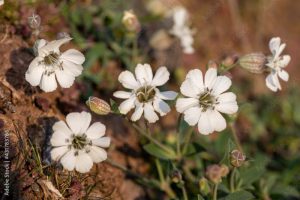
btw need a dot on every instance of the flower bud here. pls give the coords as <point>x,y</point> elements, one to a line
<point>213,173</point>
<point>253,62</point>
<point>98,106</point>
<point>237,158</point>
<point>204,186</point>
<point>224,170</point>
<point>34,21</point>
<point>176,176</point>
<point>131,22</point>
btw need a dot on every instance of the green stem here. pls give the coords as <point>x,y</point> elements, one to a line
<point>223,70</point>
<point>164,184</point>
<point>215,192</point>
<point>235,137</point>
<point>185,196</point>
<point>187,140</point>
<point>232,179</point>
<point>148,136</point>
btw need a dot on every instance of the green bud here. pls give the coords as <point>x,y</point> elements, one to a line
<point>204,186</point>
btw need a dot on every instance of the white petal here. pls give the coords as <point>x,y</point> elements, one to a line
<point>84,162</point>
<point>139,108</point>
<point>197,78</point>
<point>227,97</point>
<point>149,113</point>
<point>204,125</point>
<point>53,46</point>
<point>217,121</point>
<point>127,105</point>
<point>192,115</point>
<point>167,95</point>
<point>103,142</point>
<point>96,130</point>
<point>68,160</point>
<point>97,154</point>
<point>41,43</point>
<point>285,60</point>
<point>144,74</point>
<point>48,83</point>
<point>275,80</point>
<point>270,84</point>
<point>161,76</point>
<point>274,45</point>
<point>227,107</point>
<point>58,152</point>
<point>59,138</point>
<point>127,79</point>
<point>34,73</point>
<point>122,94</point>
<point>64,78</point>
<point>61,126</point>
<point>72,68</point>
<point>74,56</point>
<point>183,104</point>
<point>188,89</point>
<point>210,77</point>
<point>222,84</point>
<point>161,107</point>
<point>79,122</point>
<point>283,75</point>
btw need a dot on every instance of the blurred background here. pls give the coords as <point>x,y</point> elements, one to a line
<point>268,124</point>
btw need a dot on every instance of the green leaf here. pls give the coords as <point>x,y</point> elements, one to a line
<point>194,148</point>
<point>239,195</point>
<point>94,54</point>
<point>156,151</point>
<point>285,190</point>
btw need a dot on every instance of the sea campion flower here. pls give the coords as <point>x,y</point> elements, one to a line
<point>51,63</point>
<point>276,63</point>
<point>205,99</point>
<point>77,145</point>
<point>181,29</point>
<point>144,95</point>
<point>131,22</point>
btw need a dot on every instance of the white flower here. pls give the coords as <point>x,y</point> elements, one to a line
<point>276,63</point>
<point>50,63</point>
<point>1,2</point>
<point>205,99</point>
<point>77,145</point>
<point>181,29</point>
<point>144,95</point>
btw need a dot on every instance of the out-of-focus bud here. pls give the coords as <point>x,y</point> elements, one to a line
<point>237,158</point>
<point>98,106</point>
<point>213,173</point>
<point>224,170</point>
<point>176,176</point>
<point>157,7</point>
<point>34,21</point>
<point>161,40</point>
<point>212,64</point>
<point>131,22</point>
<point>204,186</point>
<point>62,35</point>
<point>253,62</point>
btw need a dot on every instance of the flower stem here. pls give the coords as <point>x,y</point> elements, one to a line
<point>227,68</point>
<point>150,138</point>
<point>164,184</point>
<point>235,137</point>
<point>185,196</point>
<point>215,192</point>
<point>178,136</point>
<point>232,179</point>
<point>187,140</point>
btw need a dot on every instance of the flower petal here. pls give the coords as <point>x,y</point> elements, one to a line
<point>122,94</point>
<point>197,78</point>
<point>68,160</point>
<point>283,75</point>
<point>210,77</point>
<point>103,142</point>
<point>217,120</point>
<point>84,162</point>
<point>183,104</point>
<point>188,89</point>
<point>73,56</point>
<point>227,97</point>
<point>139,108</point>
<point>149,113</point>
<point>167,95</point>
<point>144,74</point>
<point>53,46</point>
<point>34,73</point>
<point>204,125</point>
<point>96,130</point>
<point>227,107</point>
<point>72,68</point>
<point>274,45</point>
<point>78,122</point>
<point>127,105</point>
<point>161,76</point>
<point>59,138</point>
<point>61,126</point>
<point>192,115</point>
<point>64,78</point>
<point>270,84</point>
<point>48,82</point>
<point>97,154</point>
<point>161,107</point>
<point>285,60</point>
<point>58,152</point>
<point>221,84</point>
<point>127,79</point>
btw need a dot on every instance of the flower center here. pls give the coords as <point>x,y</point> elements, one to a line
<point>79,141</point>
<point>207,101</point>
<point>51,63</point>
<point>145,94</point>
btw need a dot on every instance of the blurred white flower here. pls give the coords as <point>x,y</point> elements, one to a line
<point>51,63</point>
<point>144,95</point>
<point>276,63</point>
<point>1,2</point>
<point>205,99</point>
<point>181,29</point>
<point>77,145</point>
